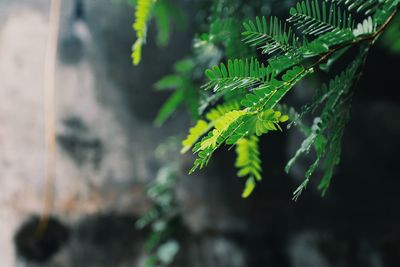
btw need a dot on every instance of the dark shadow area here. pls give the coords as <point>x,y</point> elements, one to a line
<point>33,245</point>
<point>106,240</point>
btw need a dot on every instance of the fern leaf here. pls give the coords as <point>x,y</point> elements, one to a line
<point>201,128</point>
<point>263,99</point>
<point>330,39</point>
<point>327,130</point>
<point>262,86</point>
<point>224,128</point>
<point>202,160</point>
<point>169,82</point>
<point>185,92</point>
<point>166,13</point>
<point>306,144</point>
<point>269,94</point>
<point>142,15</point>
<point>237,74</point>
<point>367,7</point>
<point>312,19</point>
<point>256,124</point>
<point>248,162</point>
<point>169,107</point>
<point>272,37</point>
<point>318,46</point>
<point>299,190</point>
<point>333,154</point>
<point>249,187</point>
<point>215,113</point>
<point>384,12</point>
<point>215,137</point>
<point>269,121</point>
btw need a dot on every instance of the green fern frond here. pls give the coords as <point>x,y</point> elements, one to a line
<point>169,107</point>
<point>195,133</point>
<point>269,94</point>
<point>166,13</point>
<point>365,7</point>
<point>312,19</point>
<point>333,152</point>
<point>327,130</point>
<point>263,99</point>
<point>316,47</point>
<point>216,136</point>
<point>224,128</point>
<point>249,187</point>
<point>202,126</point>
<point>391,37</point>
<point>385,11</point>
<point>269,121</point>
<point>307,144</point>
<point>203,157</point>
<point>248,162</point>
<point>328,31</point>
<point>238,74</point>
<point>215,113</point>
<point>270,38</point>
<point>142,15</point>
<point>162,19</point>
<point>229,128</point>
<point>334,37</point>
<point>184,91</point>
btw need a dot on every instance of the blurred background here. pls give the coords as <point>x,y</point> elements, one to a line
<point>110,159</point>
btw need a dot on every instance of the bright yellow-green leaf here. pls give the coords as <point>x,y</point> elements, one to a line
<point>221,126</point>
<point>249,188</point>
<point>195,133</point>
<point>284,118</point>
<point>142,15</point>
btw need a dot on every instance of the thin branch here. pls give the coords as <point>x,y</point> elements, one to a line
<point>49,102</point>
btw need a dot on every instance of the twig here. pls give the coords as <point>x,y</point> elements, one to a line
<point>49,102</point>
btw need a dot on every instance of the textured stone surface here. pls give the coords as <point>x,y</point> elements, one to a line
<point>105,151</point>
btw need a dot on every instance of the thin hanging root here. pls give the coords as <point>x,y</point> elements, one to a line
<point>49,107</point>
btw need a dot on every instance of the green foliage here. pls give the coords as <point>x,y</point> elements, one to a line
<point>161,247</point>
<point>263,64</point>
<point>238,74</point>
<point>184,91</point>
<point>195,133</point>
<point>164,12</point>
<point>292,58</point>
<point>142,15</point>
<point>203,126</point>
<point>272,37</point>
<point>228,124</point>
<point>223,36</point>
<point>248,162</point>
<point>312,18</point>
<point>242,98</point>
<point>269,121</point>
<point>391,37</point>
